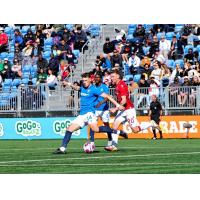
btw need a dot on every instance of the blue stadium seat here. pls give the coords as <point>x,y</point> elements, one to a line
<point>8,30</point>
<point>11,56</point>
<point>13,88</point>
<point>129,37</point>
<point>178,27</point>
<point>4,102</point>
<point>47,48</point>
<point>148,26</point>
<point>126,69</point>
<point>170,63</point>
<point>7,82</point>
<point>146,50</point>
<point>26,68</point>
<point>131,31</point>
<point>47,54</point>
<point>180,62</point>
<point>169,35</point>
<point>48,41</point>
<point>12,49</point>
<point>25,81</point>
<point>34,81</point>
<point>3,55</point>
<point>76,53</point>
<point>33,28</point>
<point>159,35</point>
<point>137,77</point>
<point>24,29</point>
<point>127,77</point>
<point>16,82</point>
<point>132,26</point>
<point>187,47</point>
<point>198,48</point>
<point>6,88</point>
<point>69,26</point>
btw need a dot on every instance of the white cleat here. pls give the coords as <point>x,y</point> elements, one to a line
<point>155,125</point>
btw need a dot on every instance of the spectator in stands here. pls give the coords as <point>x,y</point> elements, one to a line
<point>42,63</point>
<point>66,35</point>
<point>74,97</point>
<point>126,51</point>
<point>54,64</point>
<point>139,33</point>
<point>51,80</point>
<point>137,47</point>
<point>30,36</point>
<point>70,57</point>
<point>184,92</point>
<point>166,72</point>
<point>56,38</point>
<point>63,47</point>
<point>154,86</point>
<point>42,76</point>
<point>143,92</point>
<point>18,55</point>
<point>116,58</point>
<point>176,49</point>
<point>145,60</point>
<point>176,72</point>
<point>1,67</point>
<point>18,39</point>
<point>159,57</point>
<point>157,73</point>
<point>40,36</point>
<point>6,71</point>
<point>134,63</point>
<point>154,46</point>
<point>185,32</point>
<point>189,56</point>
<point>192,97</point>
<point>164,47</point>
<point>65,70</point>
<point>16,69</point>
<point>173,91</point>
<point>80,39</point>
<point>107,78</point>
<point>3,40</point>
<point>27,52</point>
<point>146,71</point>
<point>108,48</point>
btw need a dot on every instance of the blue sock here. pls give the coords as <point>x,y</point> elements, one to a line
<point>91,135</point>
<point>107,130</point>
<point>66,139</point>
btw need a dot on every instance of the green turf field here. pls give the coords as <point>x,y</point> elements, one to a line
<point>135,156</point>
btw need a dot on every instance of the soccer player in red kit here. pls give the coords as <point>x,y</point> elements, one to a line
<point>129,114</point>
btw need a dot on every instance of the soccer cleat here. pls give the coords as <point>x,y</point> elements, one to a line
<point>155,125</point>
<point>58,151</point>
<point>154,138</point>
<point>111,148</point>
<point>124,135</point>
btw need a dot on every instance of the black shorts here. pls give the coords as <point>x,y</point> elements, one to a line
<point>156,119</point>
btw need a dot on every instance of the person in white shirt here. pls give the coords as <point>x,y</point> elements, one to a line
<point>164,47</point>
<point>51,80</point>
<point>157,73</point>
<point>134,60</point>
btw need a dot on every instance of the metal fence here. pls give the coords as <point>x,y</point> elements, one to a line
<point>33,99</point>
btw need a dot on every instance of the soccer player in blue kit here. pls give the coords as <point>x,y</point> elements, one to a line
<point>88,96</point>
<point>102,109</point>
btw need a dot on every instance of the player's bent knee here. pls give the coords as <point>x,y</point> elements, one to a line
<point>135,129</point>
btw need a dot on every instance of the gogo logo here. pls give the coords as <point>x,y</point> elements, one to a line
<point>59,127</point>
<point>28,128</point>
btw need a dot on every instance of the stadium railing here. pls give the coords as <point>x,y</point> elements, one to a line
<point>39,98</point>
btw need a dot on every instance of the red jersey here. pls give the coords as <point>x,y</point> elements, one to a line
<point>122,90</point>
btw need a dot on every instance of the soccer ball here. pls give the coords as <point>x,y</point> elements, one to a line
<point>88,147</point>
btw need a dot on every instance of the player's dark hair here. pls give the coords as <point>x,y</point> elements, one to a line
<point>85,75</point>
<point>116,71</point>
<point>98,74</point>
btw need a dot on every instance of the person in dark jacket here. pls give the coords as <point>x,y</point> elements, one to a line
<point>54,64</point>
<point>80,39</point>
<point>154,113</point>
<point>29,36</point>
<point>116,58</point>
<point>42,63</point>
<point>108,46</point>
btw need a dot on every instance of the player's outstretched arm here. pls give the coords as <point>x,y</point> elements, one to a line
<point>75,87</point>
<point>112,101</point>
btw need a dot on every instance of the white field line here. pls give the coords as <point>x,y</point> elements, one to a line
<point>95,164</point>
<point>128,147</point>
<point>99,157</point>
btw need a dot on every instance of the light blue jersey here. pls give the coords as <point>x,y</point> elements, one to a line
<point>103,88</point>
<point>88,97</point>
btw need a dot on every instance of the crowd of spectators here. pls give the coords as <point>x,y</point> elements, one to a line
<point>154,57</point>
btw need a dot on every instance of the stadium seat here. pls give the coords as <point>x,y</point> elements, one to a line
<point>11,49</point>
<point>6,88</point>
<point>8,30</point>
<point>180,62</point>
<point>170,63</point>
<point>198,48</point>
<point>147,26</point>
<point>24,29</point>
<point>3,55</point>
<point>178,27</point>
<point>159,35</point>
<point>48,41</point>
<point>146,50</point>
<point>132,26</point>
<point>11,56</point>
<point>131,31</point>
<point>26,68</point>
<point>47,54</point>
<point>127,77</point>
<point>129,37</point>
<point>26,75</point>
<point>34,81</point>
<point>76,53</point>
<point>16,82</point>
<point>69,26</point>
<point>47,48</point>
<point>169,35</point>
<point>137,78</point>
<point>187,47</point>
<point>7,82</point>
<point>13,88</point>
<point>25,81</point>
<point>33,28</point>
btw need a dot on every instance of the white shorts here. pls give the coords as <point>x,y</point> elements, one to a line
<point>129,116</point>
<point>83,120</point>
<point>105,115</point>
